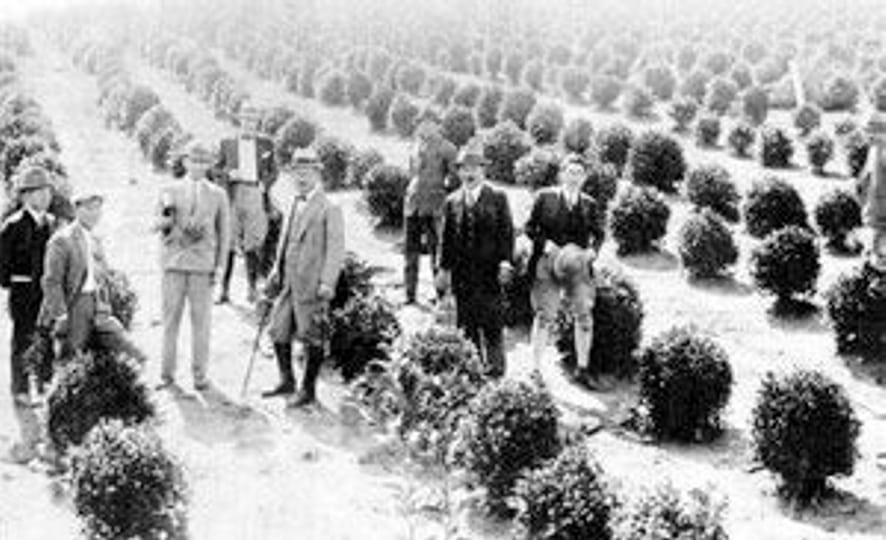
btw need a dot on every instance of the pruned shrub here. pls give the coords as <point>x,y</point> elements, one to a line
<point>533,75</point>
<point>537,169</point>
<point>378,107</point>
<point>639,219</point>
<point>95,386</point>
<point>566,498</point>
<point>601,182</point>
<point>683,111</point>
<point>358,88</point>
<point>661,81</point>
<point>837,214</point>
<point>695,85</point>
<point>707,131</point>
<point>614,143</point>
<point>742,76</point>
<point>514,63</point>
<point>385,191</point>
<point>298,132</point>
<point>334,88</point>
<point>605,89</point>
<point>664,512</point>
<point>856,147</point>
<point>709,186</point>
<point>820,150</point>
<point>354,280</point>
<point>755,105</point>
<point>467,95</point>
<point>273,119</point>
<point>459,125</point>
<point>575,82</point>
<point>410,78</point>
<point>404,115</point>
<point>444,89</point>
<point>618,321</point>
<point>362,162</point>
<point>776,148</point>
<point>126,484</point>
<point>721,93</point>
<point>807,118</point>
<point>685,382</point>
<point>545,122</point>
<point>511,428</point>
<point>771,204</point>
<point>786,264</point>
<point>741,139</point>
<point>577,137</point>
<point>138,101</point>
<point>840,93</point>
<point>120,295</point>
<point>637,102</point>
<point>503,146</point>
<point>361,331</point>
<point>489,105</point>
<point>335,154</point>
<point>856,309</point>
<point>805,431</point>
<point>656,159</point>
<point>516,106</point>
<point>706,246</point>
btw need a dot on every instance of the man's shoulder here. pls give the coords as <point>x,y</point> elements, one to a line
<point>13,220</point>
<point>547,192</point>
<point>63,233</point>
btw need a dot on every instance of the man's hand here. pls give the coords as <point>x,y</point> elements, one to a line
<point>263,307</point>
<point>443,281</point>
<point>325,292</point>
<point>505,272</point>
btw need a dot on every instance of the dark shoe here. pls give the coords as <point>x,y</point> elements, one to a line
<point>302,399</point>
<point>202,386</point>
<point>282,389</point>
<point>223,299</point>
<point>166,383</point>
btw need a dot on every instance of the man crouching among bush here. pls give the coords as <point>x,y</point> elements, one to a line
<point>309,259</point>
<point>566,230</point>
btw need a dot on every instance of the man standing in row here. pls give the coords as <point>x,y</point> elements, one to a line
<point>23,239</point>
<point>195,239</point>
<point>309,260</point>
<point>475,256</point>
<point>248,171</point>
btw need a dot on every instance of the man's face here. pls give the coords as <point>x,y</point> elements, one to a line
<point>572,176</point>
<point>250,120</point>
<point>471,173</point>
<point>197,166</point>
<point>89,213</point>
<point>306,179</point>
<point>38,199</point>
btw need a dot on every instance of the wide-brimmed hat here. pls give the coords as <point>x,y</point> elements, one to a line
<point>304,158</point>
<point>472,154</point>
<point>572,262</point>
<point>31,179</point>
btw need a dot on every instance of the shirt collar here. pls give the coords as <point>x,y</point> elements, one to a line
<point>569,196</point>
<point>38,217</point>
<point>474,192</point>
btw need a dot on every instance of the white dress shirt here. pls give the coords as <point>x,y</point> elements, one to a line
<point>246,160</point>
<point>472,194</point>
<point>90,284</point>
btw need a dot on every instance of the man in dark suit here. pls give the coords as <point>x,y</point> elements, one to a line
<point>23,238</point>
<point>564,216</point>
<point>431,168</point>
<point>248,171</point>
<point>475,256</point>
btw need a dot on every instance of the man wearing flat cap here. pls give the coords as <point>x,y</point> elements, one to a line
<point>475,256</point>
<point>195,239</point>
<point>75,299</point>
<point>249,171</point>
<point>566,229</point>
<point>309,260</point>
<point>23,239</point>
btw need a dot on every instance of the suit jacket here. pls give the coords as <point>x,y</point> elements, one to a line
<point>475,267</point>
<point>181,252</point>
<point>430,170</point>
<point>66,266</point>
<point>264,160</point>
<point>551,219</point>
<point>311,250</point>
<point>23,248</point>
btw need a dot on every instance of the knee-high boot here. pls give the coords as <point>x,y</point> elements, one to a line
<point>252,264</point>
<point>313,361</point>
<point>283,352</point>
<point>226,279</point>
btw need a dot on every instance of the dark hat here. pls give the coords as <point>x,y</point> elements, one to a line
<point>472,153</point>
<point>88,197</point>
<point>32,178</point>
<point>304,157</point>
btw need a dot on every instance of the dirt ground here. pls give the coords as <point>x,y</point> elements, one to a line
<point>258,471</point>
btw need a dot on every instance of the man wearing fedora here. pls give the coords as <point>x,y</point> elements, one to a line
<point>431,168</point>
<point>475,255</point>
<point>309,260</point>
<point>75,298</point>
<point>566,229</point>
<point>248,171</point>
<point>195,238</point>
<point>23,239</point>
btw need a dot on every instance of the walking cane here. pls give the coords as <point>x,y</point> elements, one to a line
<point>255,344</point>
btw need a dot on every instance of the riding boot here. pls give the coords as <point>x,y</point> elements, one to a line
<point>224,298</point>
<point>284,364</point>
<point>313,362</point>
<point>252,264</point>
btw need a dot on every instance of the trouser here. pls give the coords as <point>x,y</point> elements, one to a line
<point>196,288</point>
<point>24,306</point>
<point>480,315</point>
<point>249,226</point>
<point>292,320</point>
<point>422,234</point>
<point>91,325</point>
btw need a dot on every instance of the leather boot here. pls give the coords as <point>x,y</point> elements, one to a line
<point>283,352</point>
<point>225,298</point>
<point>313,361</point>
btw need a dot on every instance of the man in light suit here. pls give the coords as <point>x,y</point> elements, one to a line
<point>75,303</point>
<point>195,239</point>
<point>309,261</point>
<point>248,171</point>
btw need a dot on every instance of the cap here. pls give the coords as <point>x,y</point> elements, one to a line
<point>32,178</point>
<point>472,153</point>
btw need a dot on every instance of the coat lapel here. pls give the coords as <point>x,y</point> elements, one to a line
<point>308,213</point>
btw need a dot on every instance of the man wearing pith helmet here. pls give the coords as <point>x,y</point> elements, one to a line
<point>248,170</point>
<point>302,284</point>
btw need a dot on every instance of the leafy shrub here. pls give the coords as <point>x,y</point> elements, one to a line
<point>503,146</point>
<point>273,119</point>
<point>837,214</point>
<point>685,382</point>
<point>683,111</point>
<point>656,159</point>
<point>845,126</point>
<point>358,88</point>
<point>467,95</point>
<point>154,120</point>
<point>856,148</point>
<point>707,131</point>
<point>841,93</point>
<point>489,105</point>
<point>361,331</point>
<point>667,513</point>
<point>805,431</point>
<point>820,150</point>
<point>661,81</point>
<point>695,85</point>
<point>771,204</point>
<point>709,186</point>
<point>126,484</point>
<point>537,169</point>
<point>807,118</point>
<point>601,182</point>
<point>362,162</point>
<point>121,296</point>
<point>385,191</point>
<point>514,63</point>
<point>639,219</point>
<point>637,102</point>
<point>410,78</point>
<point>566,498</point>
<point>298,132</point>
<point>605,89</point>
<point>444,89</point>
<point>94,386</point>
<point>533,75</point>
<point>16,151</point>
<point>742,77</point>
<point>138,101</point>
<point>459,125</point>
<point>776,148</point>
<point>721,93</point>
<point>575,82</point>
<point>378,107</point>
<point>516,106</point>
<point>786,263</point>
<point>335,154</point>
<point>614,143</point>
<point>741,139</point>
<point>494,62</point>
<point>545,122</point>
<point>404,115</point>
<point>855,311</point>
<point>706,246</point>
<point>334,88</point>
<point>618,320</point>
<point>511,427</point>
<point>577,135</point>
<point>755,105</point>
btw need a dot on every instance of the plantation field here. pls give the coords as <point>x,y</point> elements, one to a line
<point>258,470</point>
